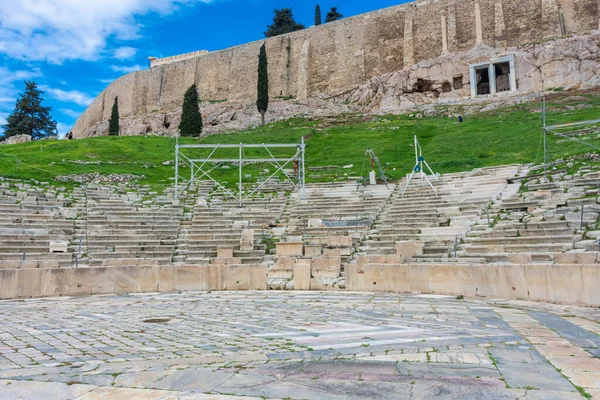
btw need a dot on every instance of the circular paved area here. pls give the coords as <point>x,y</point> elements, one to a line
<point>296,345</point>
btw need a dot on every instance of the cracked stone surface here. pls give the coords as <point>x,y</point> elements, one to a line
<point>296,345</point>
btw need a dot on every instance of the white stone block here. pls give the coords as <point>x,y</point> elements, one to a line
<point>372,178</point>
<point>59,246</point>
<point>315,223</point>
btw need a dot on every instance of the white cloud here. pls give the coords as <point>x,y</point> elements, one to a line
<point>63,128</point>
<point>70,113</point>
<point>69,96</point>
<point>107,80</point>
<point>126,69</point>
<point>59,30</point>
<point>125,53</point>
<point>8,91</point>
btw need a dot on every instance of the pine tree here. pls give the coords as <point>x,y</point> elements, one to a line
<point>113,122</point>
<point>317,15</point>
<point>191,118</point>
<point>262,101</point>
<point>333,15</point>
<point>283,22</point>
<point>29,116</point>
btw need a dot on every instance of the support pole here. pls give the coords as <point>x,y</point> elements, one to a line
<point>241,150</point>
<point>303,183</point>
<point>545,133</point>
<point>177,169</point>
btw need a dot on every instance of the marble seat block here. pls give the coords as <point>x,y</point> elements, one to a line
<point>59,246</point>
<point>313,251</point>
<point>224,252</point>
<point>247,240</point>
<point>409,248</point>
<point>521,258</point>
<point>302,275</point>
<point>292,249</point>
<point>326,267</point>
<point>315,223</point>
<point>226,260</point>
<point>339,241</point>
<point>576,258</point>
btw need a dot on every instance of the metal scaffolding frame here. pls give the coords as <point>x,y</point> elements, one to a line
<point>198,170</point>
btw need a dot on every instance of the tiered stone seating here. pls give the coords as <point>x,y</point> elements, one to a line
<point>538,224</point>
<point>121,227</point>
<point>30,219</point>
<point>335,209</point>
<point>218,222</point>
<point>436,219</point>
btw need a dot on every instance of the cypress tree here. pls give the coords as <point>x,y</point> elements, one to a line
<point>262,101</point>
<point>333,15</point>
<point>113,122</point>
<point>191,118</point>
<point>317,15</point>
<point>29,116</point>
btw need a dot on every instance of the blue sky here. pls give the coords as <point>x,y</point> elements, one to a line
<point>74,48</point>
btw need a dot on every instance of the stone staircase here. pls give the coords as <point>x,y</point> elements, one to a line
<point>218,222</point>
<point>439,219</point>
<point>335,209</point>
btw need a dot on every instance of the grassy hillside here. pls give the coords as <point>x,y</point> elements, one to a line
<point>498,137</point>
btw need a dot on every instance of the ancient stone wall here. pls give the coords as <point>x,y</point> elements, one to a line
<point>334,58</point>
<point>155,61</point>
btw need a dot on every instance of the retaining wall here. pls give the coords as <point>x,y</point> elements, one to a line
<point>575,284</point>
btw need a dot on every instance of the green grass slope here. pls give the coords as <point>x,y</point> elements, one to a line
<point>505,136</point>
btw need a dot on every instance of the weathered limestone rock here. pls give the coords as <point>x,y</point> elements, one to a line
<point>17,139</point>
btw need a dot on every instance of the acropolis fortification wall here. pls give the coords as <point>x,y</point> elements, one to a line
<point>337,57</point>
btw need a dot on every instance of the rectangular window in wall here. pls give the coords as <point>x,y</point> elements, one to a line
<point>483,80</point>
<point>502,77</point>
<point>493,77</point>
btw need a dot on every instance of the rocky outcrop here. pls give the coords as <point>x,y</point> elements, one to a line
<point>17,139</point>
<point>565,63</point>
<point>225,116</point>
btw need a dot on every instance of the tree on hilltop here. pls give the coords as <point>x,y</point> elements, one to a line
<point>191,118</point>
<point>262,102</point>
<point>317,15</point>
<point>333,15</point>
<point>113,122</point>
<point>283,22</point>
<point>29,116</point>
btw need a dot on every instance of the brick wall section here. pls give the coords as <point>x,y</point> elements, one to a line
<point>341,55</point>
